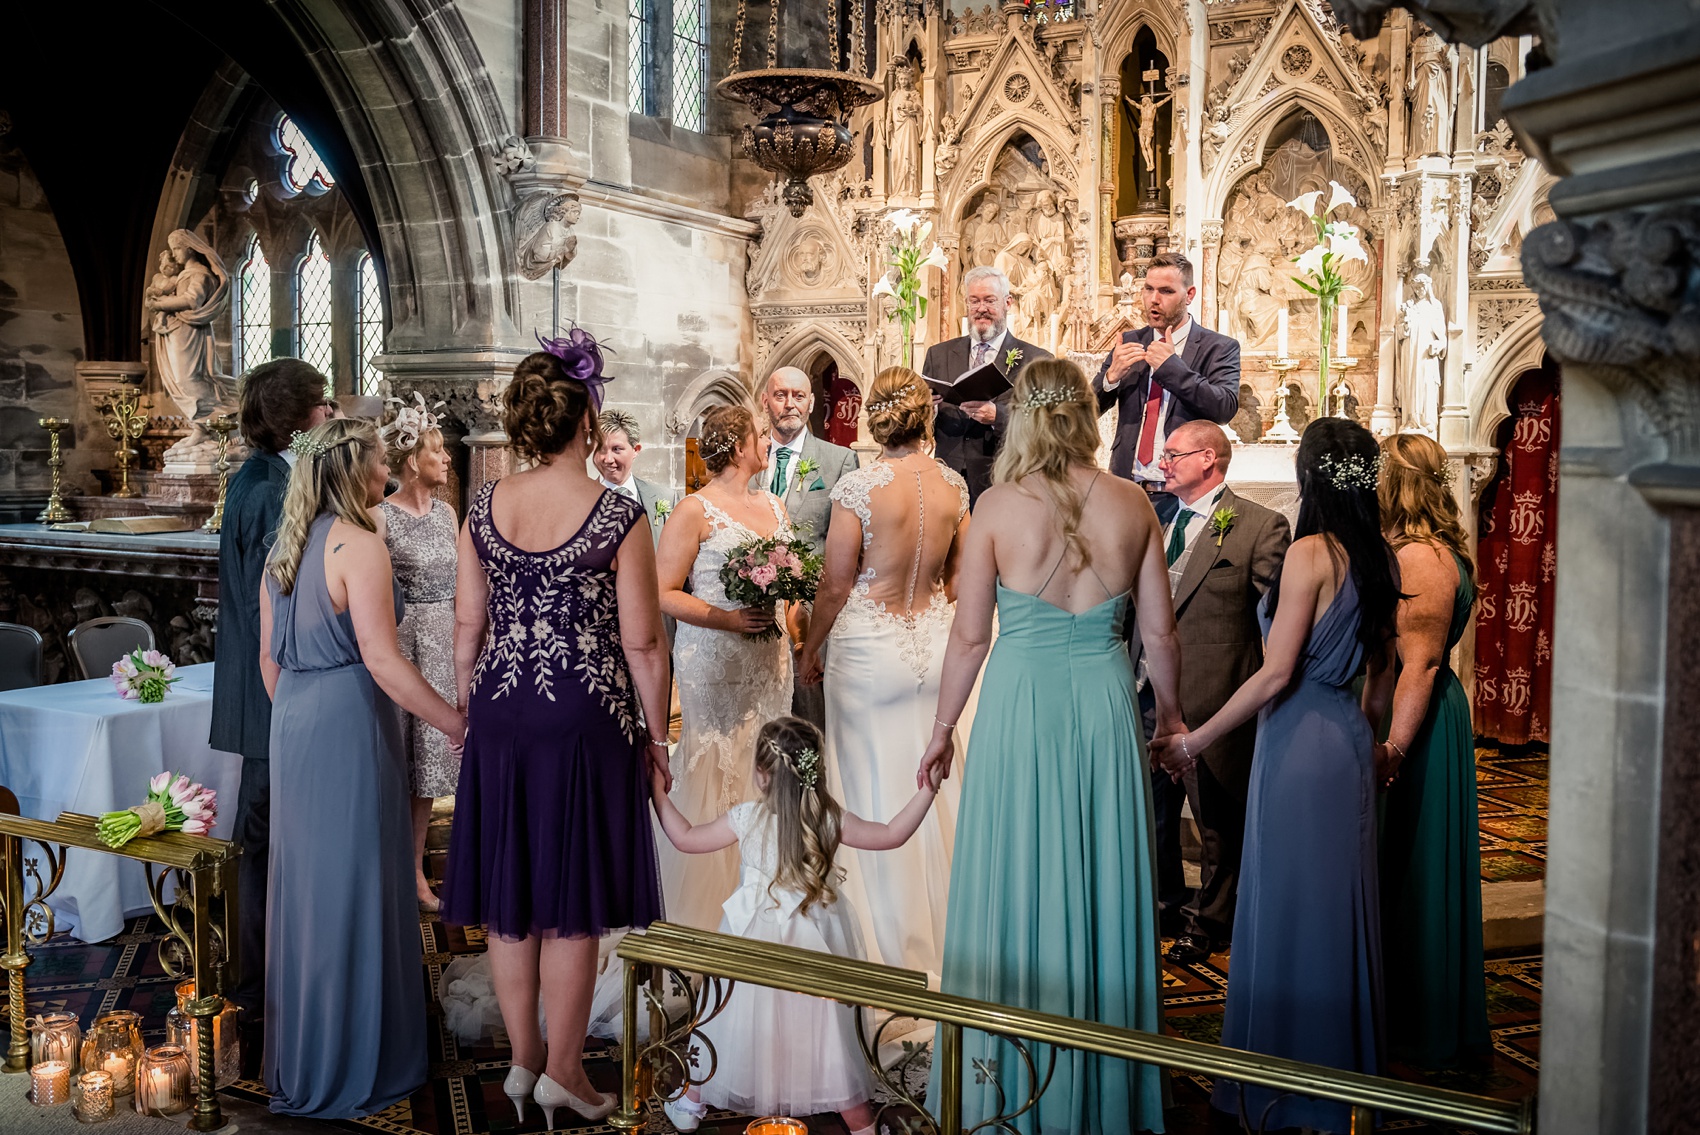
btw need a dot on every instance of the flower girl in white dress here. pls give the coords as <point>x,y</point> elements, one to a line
<point>777,1052</point>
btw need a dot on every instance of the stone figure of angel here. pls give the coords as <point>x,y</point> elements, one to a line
<point>543,233</point>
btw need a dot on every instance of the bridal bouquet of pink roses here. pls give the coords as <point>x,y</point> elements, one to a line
<point>769,570</point>
<point>174,804</point>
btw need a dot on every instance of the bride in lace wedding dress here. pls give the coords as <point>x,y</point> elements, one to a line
<point>730,684</point>
<point>884,609</point>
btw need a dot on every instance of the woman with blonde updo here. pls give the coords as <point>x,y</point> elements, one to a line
<point>886,602</point>
<point>339,814</point>
<point>1431,898</point>
<point>561,663</point>
<point>729,682</point>
<point>1056,827</point>
<point>419,530</point>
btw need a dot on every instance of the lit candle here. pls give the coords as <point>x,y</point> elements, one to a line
<point>1281,333</point>
<point>153,1092</point>
<point>1345,326</point>
<point>50,1083</point>
<point>95,1102</point>
<point>965,326</point>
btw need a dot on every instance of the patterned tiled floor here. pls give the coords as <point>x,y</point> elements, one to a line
<point>1511,795</point>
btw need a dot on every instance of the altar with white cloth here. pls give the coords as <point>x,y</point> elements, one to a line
<point>79,747</point>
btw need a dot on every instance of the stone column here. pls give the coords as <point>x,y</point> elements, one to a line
<point>1210,247</point>
<point>1109,261</point>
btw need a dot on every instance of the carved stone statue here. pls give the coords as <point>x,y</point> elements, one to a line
<point>1422,344</point>
<point>184,306</point>
<point>1145,116</point>
<point>907,125</point>
<point>950,138</point>
<point>985,236</point>
<point>1431,97</point>
<point>1049,227</point>
<point>543,232</point>
<point>809,260</point>
<point>1255,236</point>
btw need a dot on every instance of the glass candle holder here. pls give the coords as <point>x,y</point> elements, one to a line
<point>55,1036</point>
<point>162,1081</point>
<point>777,1125</point>
<point>180,1028</point>
<point>50,1083</point>
<point>114,1045</point>
<point>95,1103</point>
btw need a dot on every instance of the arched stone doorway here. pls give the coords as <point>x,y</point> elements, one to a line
<point>716,388</point>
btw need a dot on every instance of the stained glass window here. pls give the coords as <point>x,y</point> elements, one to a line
<point>640,55</point>
<point>253,337</point>
<point>302,164</point>
<point>313,309</point>
<point>371,323</point>
<point>690,63</point>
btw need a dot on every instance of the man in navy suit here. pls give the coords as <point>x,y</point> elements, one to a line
<point>1169,372</point>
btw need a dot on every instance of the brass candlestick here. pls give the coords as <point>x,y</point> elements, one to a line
<point>1282,429</point>
<point>222,425</point>
<point>55,512</point>
<point>126,420</point>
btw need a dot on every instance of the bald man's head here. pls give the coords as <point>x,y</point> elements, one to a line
<point>1199,434</point>
<point>1195,459</point>
<point>789,399</point>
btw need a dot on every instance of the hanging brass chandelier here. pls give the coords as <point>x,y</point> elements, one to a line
<point>802,114</point>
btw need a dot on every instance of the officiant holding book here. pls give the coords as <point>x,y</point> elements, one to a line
<point>967,433</point>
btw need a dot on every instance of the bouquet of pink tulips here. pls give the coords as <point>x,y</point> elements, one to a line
<point>174,804</point>
<point>144,675</point>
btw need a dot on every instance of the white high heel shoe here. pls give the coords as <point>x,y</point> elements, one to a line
<point>550,1096</point>
<point>517,1087</point>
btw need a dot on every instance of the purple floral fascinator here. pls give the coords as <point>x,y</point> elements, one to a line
<point>581,358</point>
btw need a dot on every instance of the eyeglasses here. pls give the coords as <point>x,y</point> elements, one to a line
<point>1171,458</point>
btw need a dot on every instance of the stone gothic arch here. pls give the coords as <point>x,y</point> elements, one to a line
<point>1244,150</point>
<point>1518,350</point>
<point>1119,22</point>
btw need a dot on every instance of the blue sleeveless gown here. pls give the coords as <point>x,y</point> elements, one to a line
<point>1052,903</point>
<point>345,987</point>
<point>1304,981</point>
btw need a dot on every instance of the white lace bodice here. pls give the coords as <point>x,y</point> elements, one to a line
<point>757,830</point>
<point>854,491</point>
<point>729,684</point>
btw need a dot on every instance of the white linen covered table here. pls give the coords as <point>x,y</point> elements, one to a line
<point>79,747</point>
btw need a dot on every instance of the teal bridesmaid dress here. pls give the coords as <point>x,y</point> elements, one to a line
<point>1052,904</point>
<point>1431,881</point>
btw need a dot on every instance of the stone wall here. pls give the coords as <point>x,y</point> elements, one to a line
<point>41,336</point>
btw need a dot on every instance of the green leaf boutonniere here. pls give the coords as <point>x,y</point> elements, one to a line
<point>663,509</point>
<point>1220,522</point>
<point>806,468</point>
<point>1011,357</point>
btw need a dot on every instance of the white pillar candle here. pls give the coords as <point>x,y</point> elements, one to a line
<point>965,327</point>
<point>1345,323</point>
<point>1281,333</point>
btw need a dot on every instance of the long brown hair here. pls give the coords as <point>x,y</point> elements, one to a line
<point>1053,426</point>
<point>789,753</point>
<point>1415,494</point>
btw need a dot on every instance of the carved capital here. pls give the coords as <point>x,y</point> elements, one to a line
<point>1210,233</point>
<point>1619,300</point>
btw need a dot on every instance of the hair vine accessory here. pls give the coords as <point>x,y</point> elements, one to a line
<point>892,401</point>
<point>581,359</point>
<point>806,764</point>
<point>410,423</point>
<point>1351,472</point>
<point>1445,474</point>
<point>1043,399</point>
<point>724,446</point>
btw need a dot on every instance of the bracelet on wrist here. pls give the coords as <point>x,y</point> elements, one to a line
<point>661,742</point>
<point>946,724</point>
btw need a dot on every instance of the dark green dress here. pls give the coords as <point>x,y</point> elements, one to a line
<point>1431,881</point>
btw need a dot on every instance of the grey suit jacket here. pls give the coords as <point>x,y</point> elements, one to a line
<point>649,495</point>
<point>808,500</point>
<point>1216,619</point>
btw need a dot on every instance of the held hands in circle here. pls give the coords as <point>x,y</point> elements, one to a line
<point>1174,752</point>
<point>660,770</point>
<point>936,761</point>
<point>810,670</point>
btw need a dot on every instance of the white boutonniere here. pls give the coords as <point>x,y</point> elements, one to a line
<point>663,509</point>
<point>807,468</point>
<point>1011,357</point>
<point>1221,521</point>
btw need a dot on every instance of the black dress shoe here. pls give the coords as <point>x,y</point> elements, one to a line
<point>1189,948</point>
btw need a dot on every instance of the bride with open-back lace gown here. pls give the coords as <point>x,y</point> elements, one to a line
<point>884,611</point>
<point>730,683</point>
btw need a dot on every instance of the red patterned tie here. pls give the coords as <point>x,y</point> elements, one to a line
<point>1148,428</point>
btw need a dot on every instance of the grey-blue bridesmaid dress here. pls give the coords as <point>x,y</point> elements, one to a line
<point>1304,981</point>
<point>345,994</point>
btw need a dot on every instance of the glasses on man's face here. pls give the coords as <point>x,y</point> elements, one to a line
<point>985,305</point>
<point>1169,457</point>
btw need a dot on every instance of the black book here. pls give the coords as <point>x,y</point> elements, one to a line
<point>980,385</point>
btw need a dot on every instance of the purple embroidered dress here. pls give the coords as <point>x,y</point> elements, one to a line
<point>552,824</point>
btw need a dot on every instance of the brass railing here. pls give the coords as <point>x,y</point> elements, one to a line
<point>201,920</point>
<point>666,1065</point>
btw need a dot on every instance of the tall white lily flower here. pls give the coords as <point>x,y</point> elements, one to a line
<point>935,258</point>
<point>884,288</point>
<point>1346,246</point>
<point>1338,197</point>
<point>904,220</point>
<point>1306,202</point>
<point>1311,262</point>
<point>925,231</point>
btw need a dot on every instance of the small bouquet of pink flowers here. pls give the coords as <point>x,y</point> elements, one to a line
<point>144,675</point>
<point>769,570</point>
<point>174,804</point>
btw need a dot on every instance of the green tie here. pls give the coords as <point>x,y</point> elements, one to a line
<point>780,460</point>
<point>1177,535</point>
